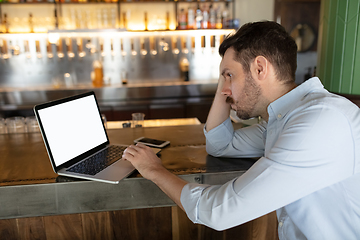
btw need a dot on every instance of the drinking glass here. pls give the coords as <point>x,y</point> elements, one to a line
<point>32,124</point>
<point>15,125</point>
<point>2,126</point>
<point>138,119</point>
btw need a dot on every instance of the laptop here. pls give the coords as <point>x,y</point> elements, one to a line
<point>77,142</point>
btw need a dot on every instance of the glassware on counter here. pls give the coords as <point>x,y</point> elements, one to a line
<point>138,119</point>
<point>15,125</point>
<point>32,124</point>
<point>2,126</point>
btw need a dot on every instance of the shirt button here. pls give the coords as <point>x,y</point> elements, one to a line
<point>281,224</point>
<point>279,115</point>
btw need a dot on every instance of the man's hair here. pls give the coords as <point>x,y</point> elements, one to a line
<point>267,39</point>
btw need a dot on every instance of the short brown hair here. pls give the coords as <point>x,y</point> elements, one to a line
<point>268,39</point>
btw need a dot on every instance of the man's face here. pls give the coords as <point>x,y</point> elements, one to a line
<point>243,93</point>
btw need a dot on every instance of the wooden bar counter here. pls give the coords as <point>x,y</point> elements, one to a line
<point>36,203</point>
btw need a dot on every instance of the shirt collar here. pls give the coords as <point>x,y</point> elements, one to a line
<point>281,106</point>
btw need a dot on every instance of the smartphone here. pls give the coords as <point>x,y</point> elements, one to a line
<point>152,142</point>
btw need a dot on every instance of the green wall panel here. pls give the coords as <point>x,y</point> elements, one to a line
<point>339,46</point>
<point>356,82</point>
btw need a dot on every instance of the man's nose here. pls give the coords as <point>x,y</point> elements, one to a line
<point>226,89</point>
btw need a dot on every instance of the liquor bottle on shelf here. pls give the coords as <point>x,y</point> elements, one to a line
<point>5,24</point>
<point>212,18</point>
<point>167,20</point>
<point>218,24</point>
<point>56,19</point>
<point>191,18</point>
<point>31,23</point>
<point>146,21</point>
<point>226,17</point>
<point>124,20</point>
<point>205,21</point>
<point>182,20</point>
<point>198,17</point>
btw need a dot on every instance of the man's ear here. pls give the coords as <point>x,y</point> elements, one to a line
<point>260,67</point>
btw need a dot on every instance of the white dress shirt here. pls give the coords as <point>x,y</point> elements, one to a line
<point>309,170</point>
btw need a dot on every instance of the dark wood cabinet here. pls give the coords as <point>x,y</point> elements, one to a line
<point>161,223</point>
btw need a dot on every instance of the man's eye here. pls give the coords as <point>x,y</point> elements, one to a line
<point>229,75</point>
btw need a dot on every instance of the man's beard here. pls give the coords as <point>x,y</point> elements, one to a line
<point>252,93</point>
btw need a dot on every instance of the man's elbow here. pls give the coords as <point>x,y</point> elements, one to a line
<point>213,149</point>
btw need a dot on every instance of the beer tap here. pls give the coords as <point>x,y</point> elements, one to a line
<point>143,50</point>
<point>113,54</point>
<point>38,49</point>
<point>79,43</point>
<point>59,48</point>
<point>69,47</point>
<point>27,49</point>
<point>175,50</point>
<point>102,52</point>
<point>122,49</point>
<point>50,54</point>
<point>184,48</point>
<point>133,51</point>
<point>153,48</point>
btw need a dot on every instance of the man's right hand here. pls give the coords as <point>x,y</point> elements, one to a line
<point>220,109</point>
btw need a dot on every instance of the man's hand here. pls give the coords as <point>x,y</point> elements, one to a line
<point>220,109</point>
<point>143,159</point>
<point>150,167</point>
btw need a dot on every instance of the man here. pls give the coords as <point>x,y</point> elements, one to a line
<point>308,143</point>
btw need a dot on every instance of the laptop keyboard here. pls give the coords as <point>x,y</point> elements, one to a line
<point>99,161</point>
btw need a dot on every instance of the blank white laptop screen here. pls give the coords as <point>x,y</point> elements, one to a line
<point>72,128</point>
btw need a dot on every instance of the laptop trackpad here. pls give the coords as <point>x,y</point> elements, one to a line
<point>118,170</point>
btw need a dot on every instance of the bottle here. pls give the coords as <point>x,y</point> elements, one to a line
<point>6,24</point>
<point>198,18</point>
<point>97,75</point>
<point>167,20</point>
<point>205,21</point>
<point>225,17</point>
<point>124,20</point>
<point>218,19</point>
<point>56,19</point>
<point>182,20</point>
<point>145,21</point>
<point>212,19</point>
<point>191,19</point>
<point>31,25</point>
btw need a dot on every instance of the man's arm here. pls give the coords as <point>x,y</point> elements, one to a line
<point>151,168</point>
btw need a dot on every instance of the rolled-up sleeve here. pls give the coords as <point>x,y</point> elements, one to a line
<point>235,202</point>
<point>223,141</point>
<point>190,196</point>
